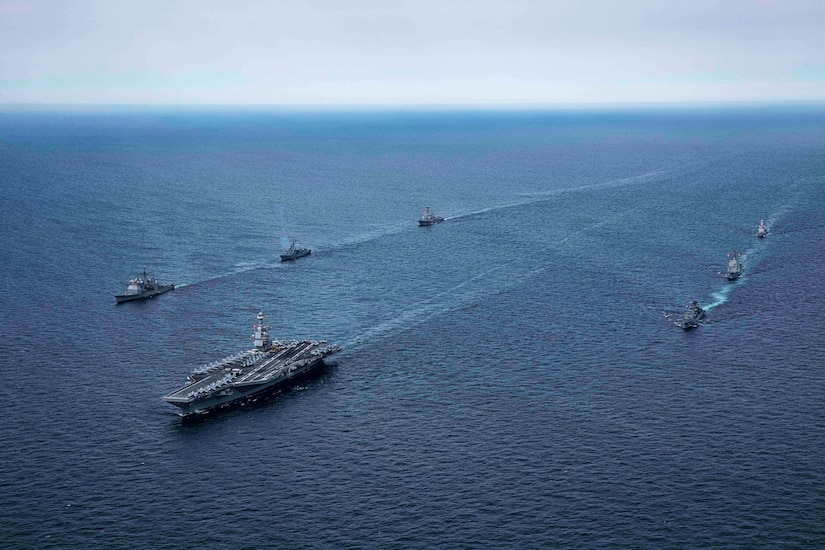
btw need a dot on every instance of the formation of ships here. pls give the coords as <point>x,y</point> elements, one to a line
<point>266,368</point>
<point>147,286</point>
<point>735,269</point>
<point>272,365</point>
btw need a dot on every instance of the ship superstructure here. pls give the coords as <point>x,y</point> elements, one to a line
<point>266,367</point>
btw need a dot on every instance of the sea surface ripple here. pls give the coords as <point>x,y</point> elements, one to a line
<point>507,378</point>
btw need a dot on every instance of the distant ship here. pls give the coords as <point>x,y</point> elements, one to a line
<point>295,252</point>
<point>693,314</point>
<point>238,378</point>
<point>143,286</point>
<point>428,218</point>
<point>735,267</point>
<point>762,231</point>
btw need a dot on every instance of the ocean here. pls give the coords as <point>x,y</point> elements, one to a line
<point>510,378</point>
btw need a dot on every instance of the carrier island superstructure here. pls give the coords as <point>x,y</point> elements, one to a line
<point>240,377</point>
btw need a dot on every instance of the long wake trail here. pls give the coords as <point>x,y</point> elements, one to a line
<point>468,291</point>
<point>543,196</point>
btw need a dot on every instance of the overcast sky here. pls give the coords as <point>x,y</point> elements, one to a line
<point>344,52</point>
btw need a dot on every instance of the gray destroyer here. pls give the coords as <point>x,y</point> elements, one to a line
<point>428,218</point>
<point>735,266</point>
<point>295,252</point>
<point>237,378</point>
<point>143,286</point>
<point>693,314</point>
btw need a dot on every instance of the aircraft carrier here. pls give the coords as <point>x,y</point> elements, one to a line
<point>246,375</point>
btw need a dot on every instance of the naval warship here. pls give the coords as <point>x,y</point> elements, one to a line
<point>735,267</point>
<point>762,230</point>
<point>142,286</point>
<point>294,252</point>
<point>693,314</point>
<point>268,366</point>
<point>428,218</point>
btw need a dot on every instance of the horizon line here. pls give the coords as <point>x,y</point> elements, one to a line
<point>502,106</point>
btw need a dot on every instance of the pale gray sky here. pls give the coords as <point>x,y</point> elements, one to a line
<point>368,52</point>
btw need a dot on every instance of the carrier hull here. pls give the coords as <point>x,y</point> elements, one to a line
<point>239,395</point>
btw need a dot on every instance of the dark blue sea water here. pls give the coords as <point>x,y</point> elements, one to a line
<point>508,378</point>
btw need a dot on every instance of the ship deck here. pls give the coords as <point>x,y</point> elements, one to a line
<point>274,363</point>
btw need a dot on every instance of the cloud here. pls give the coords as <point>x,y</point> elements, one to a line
<point>14,7</point>
<point>370,51</point>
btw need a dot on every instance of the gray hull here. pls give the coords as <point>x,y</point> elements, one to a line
<point>236,396</point>
<point>242,378</point>
<point>295,256</point>
<point>120,298</point>
<point>692,322</point>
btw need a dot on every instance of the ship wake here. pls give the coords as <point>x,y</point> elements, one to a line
<point>751,258</point>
